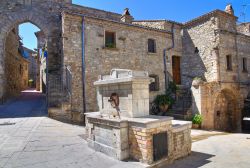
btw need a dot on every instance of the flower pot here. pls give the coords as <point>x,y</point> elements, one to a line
<point>195,126</point>
<point>164,108</point>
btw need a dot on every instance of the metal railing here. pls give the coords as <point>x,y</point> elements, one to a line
<point>68,81</point>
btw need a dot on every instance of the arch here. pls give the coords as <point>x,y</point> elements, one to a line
<point>50,24</point>
<point>15,20</point>
<point>226,111</point>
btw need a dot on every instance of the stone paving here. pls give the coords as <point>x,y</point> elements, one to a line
<point>217,150</point>
<point>40,142</point>
<point>28,141</point>
<point>43,142</point>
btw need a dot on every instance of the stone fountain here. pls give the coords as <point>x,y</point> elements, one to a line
<point>123,128</point>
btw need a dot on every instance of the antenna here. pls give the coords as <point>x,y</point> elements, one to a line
<point>243,13</point>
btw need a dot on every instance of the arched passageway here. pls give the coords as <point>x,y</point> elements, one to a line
<point>25,72</point>
<point>50,24</point>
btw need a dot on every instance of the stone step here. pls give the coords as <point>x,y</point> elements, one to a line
<point>247,100</point>
<point>66,106</point>
<point>246,124</point>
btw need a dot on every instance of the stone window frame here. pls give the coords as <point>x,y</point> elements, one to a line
<point>244,64</point>
<point>154,46</point>
<point>115,41</point>
<point>154,86</point>
<point>229,63</point>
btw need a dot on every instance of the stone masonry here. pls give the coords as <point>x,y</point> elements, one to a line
<point>16,66</point>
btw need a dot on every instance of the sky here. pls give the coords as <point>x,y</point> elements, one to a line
<point>177,10</point>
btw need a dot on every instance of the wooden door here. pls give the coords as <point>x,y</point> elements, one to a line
<point>176,65</point>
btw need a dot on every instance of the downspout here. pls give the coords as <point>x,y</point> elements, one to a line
<point>238,61</point>
<point>165,58</point>
<point>83,70</point>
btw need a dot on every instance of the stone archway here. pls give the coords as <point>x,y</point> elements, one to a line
<point>46,16</point>
<point>226,112</point>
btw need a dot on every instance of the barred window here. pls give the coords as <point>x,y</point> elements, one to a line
<point>154,86</point>
<point>110,41</point>
<point>244,64</point>
<point>229,62</point>
<point>151,46</point>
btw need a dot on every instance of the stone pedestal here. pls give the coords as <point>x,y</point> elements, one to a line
<point>133,138</point>
<point>152,140</point>
<point>108,136</point>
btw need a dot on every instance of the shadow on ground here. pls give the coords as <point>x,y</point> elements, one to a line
<point>29,104</point>
<point>194,160</point>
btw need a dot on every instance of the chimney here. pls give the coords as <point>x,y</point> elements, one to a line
<point>229,9</point>
<point>126,17</point>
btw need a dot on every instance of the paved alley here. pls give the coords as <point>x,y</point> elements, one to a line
<point>29,104</point>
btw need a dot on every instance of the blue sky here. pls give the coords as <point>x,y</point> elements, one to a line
<point>177,10</point>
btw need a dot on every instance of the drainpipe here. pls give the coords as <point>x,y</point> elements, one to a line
<point>83,68</point>
<point>165,59</point>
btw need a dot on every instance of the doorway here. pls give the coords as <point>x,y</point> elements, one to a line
<point>176,68</point>
<point>225,118</point>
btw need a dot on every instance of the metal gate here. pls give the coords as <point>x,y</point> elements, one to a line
<point>160,146</point>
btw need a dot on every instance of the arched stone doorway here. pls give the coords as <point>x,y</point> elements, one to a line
<point>46,16</point>
<point>226,112</point>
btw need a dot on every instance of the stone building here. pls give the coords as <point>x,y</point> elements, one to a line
<point>32,57</point>
<point>16,66</point>
<point>218,54</point>
<point>89,42</point>
<point>41,62</point>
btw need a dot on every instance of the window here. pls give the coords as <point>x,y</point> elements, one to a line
<point>244,64</point>
<point>151,46</point>
<point>229,62</point>
<point>154,86</point>
<point>20,69</point>
<point>110,40</point>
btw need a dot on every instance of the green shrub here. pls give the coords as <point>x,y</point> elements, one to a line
<point>161,100</point>
<point>110,45</point>
<point>197,119</point>
<point>172,88</point>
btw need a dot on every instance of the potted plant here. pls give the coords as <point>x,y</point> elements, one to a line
<point>163,102</point>
<point>196,121</point>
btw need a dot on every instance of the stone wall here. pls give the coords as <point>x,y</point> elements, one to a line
<point>157,24</point>
<point>210,96</point>
<point>243,46</point>
<point>131,43</point>
<point>130,53</point>
<point>199,58</point>
<point>72,50</point>
<point>32,57</point>
<point>16,67</point>
<point>244,28</point>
